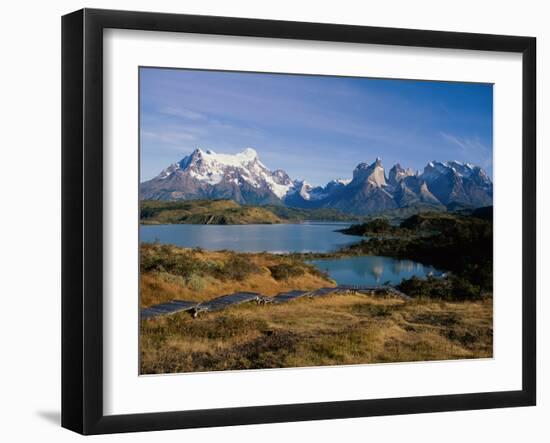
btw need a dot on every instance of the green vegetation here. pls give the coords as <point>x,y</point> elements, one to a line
<point>452,288</point>
<point>375,227</point>
<point>462,244</point>
<point>228,212</point>
<point>294,215</point>
<point>294,268</point>
<point>407,211</point>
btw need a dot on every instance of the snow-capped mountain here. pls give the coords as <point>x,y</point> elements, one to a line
<point>205,174</point>
<point>244,178</point>
<point>366,193</point>
<point>456,182</point>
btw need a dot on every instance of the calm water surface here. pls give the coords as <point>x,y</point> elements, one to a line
<point>373,271</point>
<point>303,237</point>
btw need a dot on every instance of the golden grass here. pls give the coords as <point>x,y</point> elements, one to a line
<point>335,330</point>
<point>156,287</point>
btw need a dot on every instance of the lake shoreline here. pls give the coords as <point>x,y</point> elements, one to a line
<point>442,318</point>
<point>459,244</point>
<point>310,236</point>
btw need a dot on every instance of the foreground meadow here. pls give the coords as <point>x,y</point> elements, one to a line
<point>445,318</point>
<point>336,330</point>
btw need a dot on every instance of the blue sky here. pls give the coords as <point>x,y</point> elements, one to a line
<point>314,127</point>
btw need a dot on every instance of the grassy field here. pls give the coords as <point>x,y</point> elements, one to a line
<point>169,272</point>
<point>336,330</point>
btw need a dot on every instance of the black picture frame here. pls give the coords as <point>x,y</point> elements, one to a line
<point>82,218</point>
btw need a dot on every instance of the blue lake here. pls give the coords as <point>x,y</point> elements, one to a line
<point>283,238</point>
<point>373,270</point>
<point>279,238</point>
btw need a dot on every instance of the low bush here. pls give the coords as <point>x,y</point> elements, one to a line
<point>373,227</point>
<point>236,267</point>
<point>285,271</point>
<point>450,288</point>
<point>190,266</point>
<point>196,282</point>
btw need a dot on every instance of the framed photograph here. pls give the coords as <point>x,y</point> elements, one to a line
<point>268,221</point>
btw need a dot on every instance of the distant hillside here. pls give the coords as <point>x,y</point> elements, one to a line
<point>407,211</point>
<point>228,212</point>
<point>301,214</point>
<point>204,212</point>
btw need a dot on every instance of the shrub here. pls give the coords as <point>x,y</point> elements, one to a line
<point>236,267</point>
<point>376,226</point>
<point>464,290</point>
<point>429,287</point>
<point>285,271</point>
<point>451,288</point>
<point>196,282</point>
<point>171,278</point>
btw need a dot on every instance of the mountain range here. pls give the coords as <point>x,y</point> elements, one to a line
<point>243,178</point>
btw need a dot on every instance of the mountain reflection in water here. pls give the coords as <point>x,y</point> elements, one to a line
<point>373,270</point>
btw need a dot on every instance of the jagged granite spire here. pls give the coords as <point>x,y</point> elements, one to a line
<point>244,178</point>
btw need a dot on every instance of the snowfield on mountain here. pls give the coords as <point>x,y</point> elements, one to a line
<point>242,177</point>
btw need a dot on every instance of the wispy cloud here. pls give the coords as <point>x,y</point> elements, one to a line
<point>301,103</point>
<point>312,125</point>
<point>181,112</point>
<point>472,150</point>
<point>467,144</point>
<point>169,137</point>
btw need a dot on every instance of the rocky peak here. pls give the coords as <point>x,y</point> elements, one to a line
<point>397,174</point>
<point>373,173</point>
<point>281,177</point>
<point>243,178</point>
